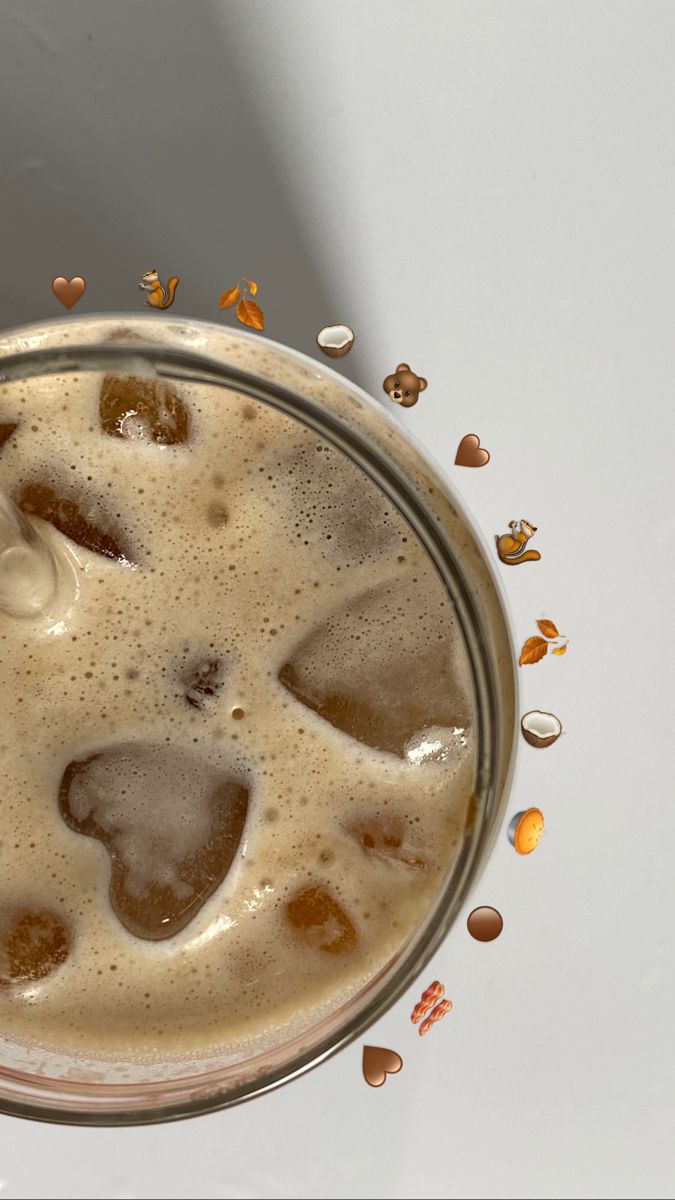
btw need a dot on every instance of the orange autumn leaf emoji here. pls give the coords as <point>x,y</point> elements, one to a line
<point>548,629</point>
<point>249,314</point>
<point>534,649</point>
<point>247,310</point>
<point>229,298</point>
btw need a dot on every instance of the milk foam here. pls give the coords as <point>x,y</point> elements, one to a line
<point>249,542</point>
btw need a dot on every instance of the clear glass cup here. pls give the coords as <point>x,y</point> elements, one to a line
<point>67,1088</point>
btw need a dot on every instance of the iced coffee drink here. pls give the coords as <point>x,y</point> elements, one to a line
<point>238,743</point>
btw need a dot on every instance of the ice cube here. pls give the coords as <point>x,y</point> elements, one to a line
<point>321,921</point>
<point>171,823</point>
<point>143,410</point>
<point>384,667</point>
<point>386,839</point>
<point>80,519</point>
<point>33,943</point>
<point>329,503</point>
<point>6,431</point>
<point>436,744</point>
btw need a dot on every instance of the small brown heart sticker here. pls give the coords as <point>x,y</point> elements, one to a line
<point>470,453</point>
<point>68,291</point>
<point>378,1063</point>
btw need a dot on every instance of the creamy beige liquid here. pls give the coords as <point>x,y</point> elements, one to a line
<point>236,770</point>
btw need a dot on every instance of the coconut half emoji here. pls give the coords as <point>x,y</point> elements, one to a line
<point>540,729</point>
<point>335,340</point>
<point>526,829</point>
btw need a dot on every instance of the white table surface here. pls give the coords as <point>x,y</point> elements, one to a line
<point>486,191</point>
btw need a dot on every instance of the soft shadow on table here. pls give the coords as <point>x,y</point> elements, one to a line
<point>129,144</point>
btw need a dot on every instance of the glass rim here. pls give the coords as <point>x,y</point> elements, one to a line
<point>187,366</point>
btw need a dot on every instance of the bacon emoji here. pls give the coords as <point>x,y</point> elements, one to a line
<point>429,998</point>
<point>439,1011</point>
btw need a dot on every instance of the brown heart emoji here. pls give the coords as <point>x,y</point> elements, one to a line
<point>378,1063</point>
<point>68,291</point>
<point>470,453</point>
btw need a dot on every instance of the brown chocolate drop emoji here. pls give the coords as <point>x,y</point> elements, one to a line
<point>485,924</point>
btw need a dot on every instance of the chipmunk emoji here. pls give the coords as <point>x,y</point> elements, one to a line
<point>511,546</point>
<point>158,295</point>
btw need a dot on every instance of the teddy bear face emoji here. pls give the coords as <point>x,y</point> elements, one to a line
<point>404,386</point>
